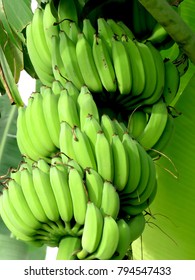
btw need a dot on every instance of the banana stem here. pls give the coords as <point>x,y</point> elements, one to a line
<point>173,24</point>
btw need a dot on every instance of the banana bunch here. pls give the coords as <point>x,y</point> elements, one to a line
<point>107,58</point>
<point>60,204</point>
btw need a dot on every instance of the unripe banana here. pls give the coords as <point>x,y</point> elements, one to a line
<point>94,184</point>
<point>92,230</point>
<point>104,157</point>
<point>136,226</point>
<point>79,196</point>
<point>110,204</point>
<point>65,140</point>
<point>68,248</point>
<point>88,30</point>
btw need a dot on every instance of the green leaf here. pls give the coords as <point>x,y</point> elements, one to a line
<point>12,249</point>
<point>187,8</point>
<point>9,153</point>
<point>170,231</point>
<point>8,80</point>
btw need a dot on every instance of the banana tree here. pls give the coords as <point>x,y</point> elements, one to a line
<point>170,228</point>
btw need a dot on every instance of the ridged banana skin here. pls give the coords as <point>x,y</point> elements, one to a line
<point>160,72</point>
<point>136,226</point>
<point>37,126</point>
<point>12,218</point>
<point>74,31</point>
<point>79,196</point>
<point>86,106</point>
<point>68,247</point>
<point>124,240</point>
<point>56,87</point>
<point>60,187</point>
<point>87,65</point>
<point>116,28</point>
<point>59,72</point>
<point>155,125</point>
<point>172,82</point>
<point>137,66</point>
<point>31,196</point>
<point>137,122</point>
<point>94,185</point>
<point>109,193</point>
<point>65,139</point>
<point>122,64</point>
<point>107,127</point>
<point>91,127</point>
<point>92,230</point>
<point>69,58</point>
<point>45,193</point>
<point>119,129</point>
<point>24,141</point>
<point>50,111</point>
<point>104,64</point>
<point>19,202</point>
<point>157,149</point>
<point>44,72</point>
<point>134,163</point>
<point>19,233</point>
<point>67,10</point>
<point>105,32</point>
<point>109,240</point>
<point>104,157</point>
<point>49,26</point>
<point>67,109</point>
<point>82,148</point>
<point>88,30</point>
<point>149,69</point>
<point>72,90</point>
<point>121,163</point>
<point>39,39</point>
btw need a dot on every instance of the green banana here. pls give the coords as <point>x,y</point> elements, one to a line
<point>39,38</point>
<point>92,230</point>
<point>31,196</point>
<point>104,64</point>
<point>44,72</point>
<point>91,127</point>
<point>110,204</point>
<point>87,65</point>
<point>59,72</point>
<point>94,185</point>
<point>172,82</point>
<point>72,90</point>
<point>68,54</point>
<point>67,109</point>
<point>136,226</point>
<point>50,111</point>
<point>121,163</point>
<point>104,157</point>
<point>124,240</point>
<point>12,222</point>
<point>137,122</point>
<point>108,127</point>
<point>88,30</point>
<point>126,29</point>
<point>137,66</point>
<point>105,31</point>
<point>109,240</point>
<point>65,140</point>
<point>86,106</point>
<point>122,64</point>
<point>60,187</point>
<point>116,28</point>
<point>134,163</point>
<point>68,247</point>
<point>24,141</point>
<point>82,148</point>
<point>20,205</point>
<point>56,87</point>
<point>74,31</point>
<point>79,196</point>
<point>155,125</point>
<point>67,10</point>
<point>42,185</point>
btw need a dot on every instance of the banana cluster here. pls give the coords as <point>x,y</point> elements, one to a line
<point>107,59</point>
<point>61,204</point>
